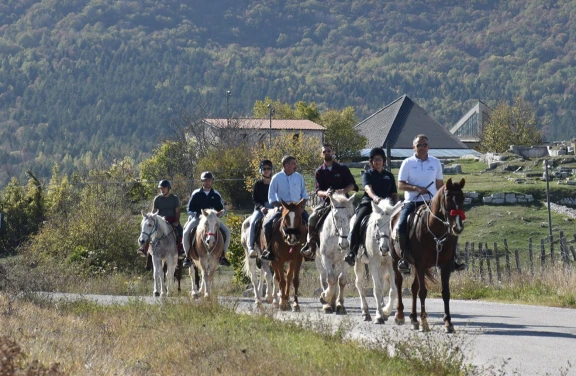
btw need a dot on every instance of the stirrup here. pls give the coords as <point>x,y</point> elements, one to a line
<point>187,263</point>
<point>404,266</point>
<point>268,256</point>
<point>252,253</point>
<point>350,258</point>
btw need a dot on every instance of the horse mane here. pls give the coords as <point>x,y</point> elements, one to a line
<point>340,199</point>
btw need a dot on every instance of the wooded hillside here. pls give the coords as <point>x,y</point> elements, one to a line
<point>81,79</point>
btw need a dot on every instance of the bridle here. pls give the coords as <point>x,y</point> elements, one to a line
<point>334,222</point>
<point>156,239</point>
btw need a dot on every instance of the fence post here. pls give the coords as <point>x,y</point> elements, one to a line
<point>517,257</point>
<point>573,252</point>
<point>466,253</point>
<point>507,251</point>
<point>498,271</point>
<point>530,254</point>
<point>552,250</point>
<point>565,253</point>
<point>473,258</point>
<point>542,254</point>
<point>562,249</point>
<point>488,264</point>
<point>481,257</point>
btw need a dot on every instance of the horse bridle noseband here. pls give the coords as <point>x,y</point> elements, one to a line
<point>149,235</point>
<point>334,222</point>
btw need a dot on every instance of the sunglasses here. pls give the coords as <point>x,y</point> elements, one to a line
<point>377,159</point>
<point>266,169</point>
<point>421,145</point>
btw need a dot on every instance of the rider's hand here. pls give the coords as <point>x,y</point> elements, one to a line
<point>340,191</point>
<point>422,190</point>
<point>264,211</point>
<point>329,192</point>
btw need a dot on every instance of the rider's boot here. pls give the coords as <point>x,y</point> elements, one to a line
<point>268,254</point>
<point>187,262</point>
<point>143,251</point>
<point>309,249</point>
<point>406,258</point>
<point>181,253</point>
<point>223,261</point>
<point>350,257</point>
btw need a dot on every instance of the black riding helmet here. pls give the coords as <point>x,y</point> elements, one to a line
<point>265,162</point>
<point>206,175</point>
<point>377,151</point>
<point>164,184</point>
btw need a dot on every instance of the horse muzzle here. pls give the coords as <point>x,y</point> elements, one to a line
<point>343,243</point>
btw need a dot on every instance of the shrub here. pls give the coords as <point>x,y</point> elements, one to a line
<point>236,251</point>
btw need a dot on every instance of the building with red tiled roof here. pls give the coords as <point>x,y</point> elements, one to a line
<point>263,130</point>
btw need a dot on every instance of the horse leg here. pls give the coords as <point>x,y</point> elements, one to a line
<point>158,275</point>
<point>171,263</point>
<point>329,293</point>
<point>342,281</point>
<point>256,284</point>
<point>422,293</point>
<point>296,283</point>
<point>196,277</point>
<point>445,271</point>
<point>279,282</point>
<point>322,275</point>
<point>286,290</point>
<point>399,318</point>
<point>193,272</point>
<point>266,273</point>
<point>360,273</point>
<point>391,287</point>
<point>378,281</point>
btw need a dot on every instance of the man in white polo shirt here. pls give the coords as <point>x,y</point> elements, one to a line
<point>420,177</point>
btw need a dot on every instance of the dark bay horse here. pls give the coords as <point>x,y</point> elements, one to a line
<point>288,237</point>
<point>432,243</point>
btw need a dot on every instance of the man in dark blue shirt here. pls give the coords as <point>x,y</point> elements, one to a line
<point>378,185</point>
<point>330,177</point>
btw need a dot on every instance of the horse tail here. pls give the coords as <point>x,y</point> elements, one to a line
<point>429,275</point>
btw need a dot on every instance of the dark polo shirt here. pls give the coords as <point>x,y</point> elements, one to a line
<point>382,183</point>
<point>339,177</point>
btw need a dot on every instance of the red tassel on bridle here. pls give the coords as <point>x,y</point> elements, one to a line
<point>460,213</point>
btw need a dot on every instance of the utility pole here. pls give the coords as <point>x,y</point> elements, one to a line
<point>270,114</point>
<point>228,94</point>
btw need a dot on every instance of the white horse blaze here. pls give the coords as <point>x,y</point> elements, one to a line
<point>292,217</point>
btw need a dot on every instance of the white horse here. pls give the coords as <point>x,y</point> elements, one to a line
<point>250,267</point>
<point>206,252</point>
<point>333,246</point>
<point>379,262</point>
<point>162,238</point>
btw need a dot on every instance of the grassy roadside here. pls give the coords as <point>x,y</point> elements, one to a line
<point>206,338</point>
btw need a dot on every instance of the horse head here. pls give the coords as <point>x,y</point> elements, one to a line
<point>341,213</point>
<point>291,221</point>
<point>452,206</point>
<point>148,227</point>
<point>381,214</point>
<point>209,226</point>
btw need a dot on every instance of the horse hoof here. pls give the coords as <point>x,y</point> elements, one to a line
<point>416,326</point>
<point>295,308</point>
<point>322,300</point>
<point>284,306</point>
<point>156,294</point>
<point>424,328</point>
<point>449,328</point>
<point>399,321</point>
<point>366,317</point>
<point>380,320</point>
<point>194,295</point>
<point>340,310</point>
<point>327,309</point>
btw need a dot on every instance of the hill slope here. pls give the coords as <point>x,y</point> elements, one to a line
<point>79,78</point>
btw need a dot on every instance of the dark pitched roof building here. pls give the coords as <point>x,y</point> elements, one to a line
<point>399,122</point>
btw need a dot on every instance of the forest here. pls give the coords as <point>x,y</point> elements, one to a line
<point>89,80</point>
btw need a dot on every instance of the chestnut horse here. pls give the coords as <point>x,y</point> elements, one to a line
<point>287,238</point>
<point>207,250</point>
<point>432,243</point>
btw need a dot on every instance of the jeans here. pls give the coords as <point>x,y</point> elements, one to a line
<point>407,209</point>
<point>253,219</point>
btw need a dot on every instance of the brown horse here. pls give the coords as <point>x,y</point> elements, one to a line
<point>432,243</point>
<point>288,237</point>
<point>207,250</point>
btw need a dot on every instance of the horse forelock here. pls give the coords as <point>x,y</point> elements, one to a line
<point>210,220</point>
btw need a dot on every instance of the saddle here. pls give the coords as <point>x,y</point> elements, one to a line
<point>322,214</point>
<point>412,224</point>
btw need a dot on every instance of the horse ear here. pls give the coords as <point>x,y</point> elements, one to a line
<point>155,211</point>
<point>462,182</point>
<point>143,214</point>
<point>352,195</point>
<point>302,203</point>
<point>375,207</point>
<point>449,183</point>
<point>220,213</point>
<point>283,203</point>
<point>204,213</point>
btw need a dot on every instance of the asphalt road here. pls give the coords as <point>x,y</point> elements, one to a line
<point>501,338</point>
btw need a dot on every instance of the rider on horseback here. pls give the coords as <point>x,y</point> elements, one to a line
<point>204,197</point>
<point>261,204</point>
<point>378,185</point>
<point>414,177</point>
<point>330,177</point>
<point>168,206</point>
<point>288,186</point>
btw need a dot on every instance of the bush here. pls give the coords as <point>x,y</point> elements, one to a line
<point>236,251</point>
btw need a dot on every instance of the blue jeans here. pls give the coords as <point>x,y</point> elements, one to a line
<point>253,219</point>
<point>407,209</point>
